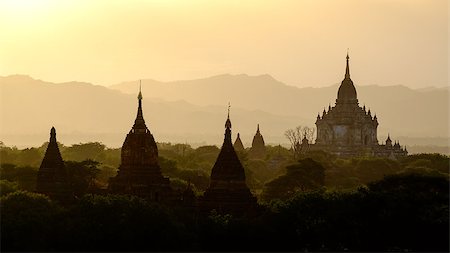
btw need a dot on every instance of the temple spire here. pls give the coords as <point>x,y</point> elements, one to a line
<point>140,93</point>
<point>227,139</point>
<point>53,135</point>
<point>139,123</point>
<point>228,122</point>
<point>347,69</point>
<point>257,129</point>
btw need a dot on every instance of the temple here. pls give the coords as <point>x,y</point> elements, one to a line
<point>349,130</point>
<point>258,149</point>
<point>139,172</point>
<point>227,191</point>
<point>238,146</point>
<point>52,178</point>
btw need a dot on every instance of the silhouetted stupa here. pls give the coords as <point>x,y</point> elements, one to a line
<point>258,149</point>
<point>238,146</point>
<point>227,191</point>
<point>139,172</point>
<point>52,178</point>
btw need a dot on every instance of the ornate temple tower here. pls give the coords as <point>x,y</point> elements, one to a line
<point>139,172</point>
<point>227,191</point>
<point>348,129</point>
<point>258,149</point>
<point>52,178</point>
<point>238,146</point>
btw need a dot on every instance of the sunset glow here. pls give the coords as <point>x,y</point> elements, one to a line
<point>298,42</point>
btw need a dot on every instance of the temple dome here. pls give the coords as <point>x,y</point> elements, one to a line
<point>347,91</point>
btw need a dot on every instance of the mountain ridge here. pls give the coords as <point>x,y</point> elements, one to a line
<point>82,107</point>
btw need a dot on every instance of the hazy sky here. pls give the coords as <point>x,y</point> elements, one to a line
<point>299,42</point>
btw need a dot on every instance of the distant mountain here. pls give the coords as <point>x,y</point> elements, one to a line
<point>194,111</point>
<point>84,112</point>
<point>401,111</point>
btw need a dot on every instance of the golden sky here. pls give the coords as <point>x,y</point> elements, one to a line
<point>299,42</point>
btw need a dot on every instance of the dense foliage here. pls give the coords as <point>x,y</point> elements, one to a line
<point>401,212</point>
<point>313,202</point>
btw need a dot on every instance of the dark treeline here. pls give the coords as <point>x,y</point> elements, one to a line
<point>401,212</point>
<point>277,175</point>
<point>314,202</point>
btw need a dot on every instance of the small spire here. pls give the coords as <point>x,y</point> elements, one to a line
<point>140,93</point>
<point>53,134</point>
<point>228,122</point>
<point>139,122</point>
<point>257,129</point>
<point>388,140</point>
<point>347,69</point>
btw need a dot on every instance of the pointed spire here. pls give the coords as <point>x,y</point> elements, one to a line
<point>347,69</point>
<point>139,122</point>
<point>140,93</point>
<point>257,129</point>
<point>388,141</point>
<point>53,135</point>
<point>238,146</point>
<point>228,121</point>
<point>329,106</point>
<point>52,157</point>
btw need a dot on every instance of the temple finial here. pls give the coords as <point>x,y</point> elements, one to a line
<point>53,134</point>
<point>140,93</point>
<point>347,69</point>
<point>228,122</point>
<point>139,122</point>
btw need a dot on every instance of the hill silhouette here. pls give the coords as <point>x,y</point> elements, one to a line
<point>83,112</point>
<point>193,111</point>
<point>401,111</point>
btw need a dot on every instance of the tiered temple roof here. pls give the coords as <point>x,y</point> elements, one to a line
<point>228,192</point>
<point>258,149</point>
<point>52,179</point>
<point>348,129</point>
<point>238,146</point>
<point>139,172</point>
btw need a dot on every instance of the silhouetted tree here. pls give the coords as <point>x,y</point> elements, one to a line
<point>29,222</point>
<point>302,176</point>
<point>82,175</point>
